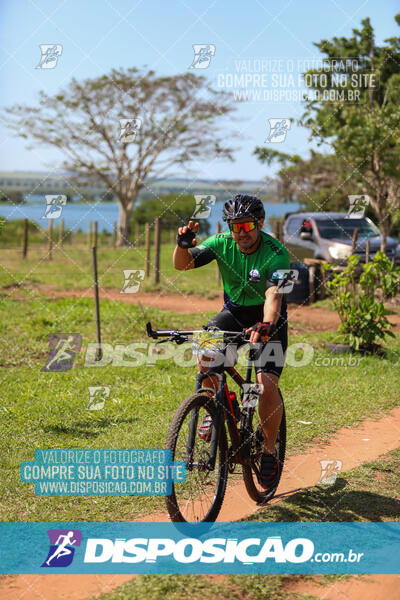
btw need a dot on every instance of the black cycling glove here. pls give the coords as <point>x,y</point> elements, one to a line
<point>263,329</point>
<point>184,240</point>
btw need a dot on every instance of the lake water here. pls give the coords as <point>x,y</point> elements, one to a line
<point>77,216</point>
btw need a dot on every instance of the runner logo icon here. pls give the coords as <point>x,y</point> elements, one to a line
<point>204,203</point>
<point>278,130</point>
<point>63,347</point>
<point>61,551</point>
<point>202,55</point>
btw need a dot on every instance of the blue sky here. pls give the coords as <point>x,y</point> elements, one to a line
<point>99,35</point>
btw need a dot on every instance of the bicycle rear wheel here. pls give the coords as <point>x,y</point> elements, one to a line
<point>250,472</point>
<point>200,497</point>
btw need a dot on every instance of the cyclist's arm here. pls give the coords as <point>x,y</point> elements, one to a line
<point>273,304</point>
<point>273,294</point>
<point>200,255</point>
<point>272,310</point>
<point>183,259</point>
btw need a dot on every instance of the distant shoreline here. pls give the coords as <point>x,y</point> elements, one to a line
<point>106,202</point>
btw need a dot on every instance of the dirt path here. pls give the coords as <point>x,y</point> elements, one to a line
<point>370,587</point>
<point>352,446</point>
<point>316,318</point>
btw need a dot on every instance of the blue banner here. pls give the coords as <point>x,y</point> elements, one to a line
<point>293,548</point>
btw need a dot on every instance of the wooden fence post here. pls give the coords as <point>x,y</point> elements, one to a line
<point>157,246</point>
<point>367,251</point>
<point>353,249</point>
<point>277,229</point>
<point>90,234</point>
<point>311,283</point>
<point>367,257</point>
<point>322,274</point>
<point>115,235</point>
<point>25,239</point>
<point>147,250</point>
<point>50,238</point>
<point>95,234</point>
<point>137,234</point>
<point>354,240</point>
<point>280,231</point>
<point>99,352</point>
<point>61,238</point>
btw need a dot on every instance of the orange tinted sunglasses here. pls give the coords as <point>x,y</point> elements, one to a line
<point>247,226</point>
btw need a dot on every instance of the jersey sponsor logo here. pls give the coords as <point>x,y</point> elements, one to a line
<point>273,246</point>
<point>254,275</point>
<point>285,279</point>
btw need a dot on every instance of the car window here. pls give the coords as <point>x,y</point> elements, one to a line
<point>306,226</point>
<point>342,228</point>
<point>294,226</point>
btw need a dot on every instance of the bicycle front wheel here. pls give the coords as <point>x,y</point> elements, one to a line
<point>200,497</point>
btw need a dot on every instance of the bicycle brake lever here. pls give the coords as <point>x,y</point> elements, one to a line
<point>180,339</point>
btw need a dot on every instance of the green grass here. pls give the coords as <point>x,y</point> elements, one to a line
<point>198,587</point>
<point>71,268</point>
<point>26,323</point>
<point>367,493</point>
<point>48,410</point>
<point>325,303</point>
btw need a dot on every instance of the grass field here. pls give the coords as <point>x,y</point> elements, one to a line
<point>48,410</point>
<point>363,494</point>
<point>367,493</point>
<point>71,268</point>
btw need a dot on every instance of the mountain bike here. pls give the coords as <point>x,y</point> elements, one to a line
<point>236,436</point>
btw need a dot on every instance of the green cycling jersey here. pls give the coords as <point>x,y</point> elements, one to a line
<point>245,277</point>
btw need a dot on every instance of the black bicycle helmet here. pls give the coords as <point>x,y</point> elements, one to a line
<point>243,206</point>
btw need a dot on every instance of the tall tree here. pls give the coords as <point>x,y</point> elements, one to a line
<point>320,182</point>
<point>361,122</point>
<point>173,119</point>
<point>364,133</point>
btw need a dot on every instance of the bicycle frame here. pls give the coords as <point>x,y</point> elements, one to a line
<point>239,437</point>
<point>246,441</point>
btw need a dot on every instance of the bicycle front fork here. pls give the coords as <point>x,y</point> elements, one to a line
<point>194,417</point>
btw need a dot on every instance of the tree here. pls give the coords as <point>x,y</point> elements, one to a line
<point>175,211</point>
<point>12,197</point>
<point>173,123</point>
<point>320,182</point>
<point>364,134</point>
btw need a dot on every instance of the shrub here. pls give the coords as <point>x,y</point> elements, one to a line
<point>358,292</point>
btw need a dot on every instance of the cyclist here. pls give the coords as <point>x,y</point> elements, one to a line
<point>248,260</point>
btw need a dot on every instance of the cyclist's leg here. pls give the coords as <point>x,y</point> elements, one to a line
<point>269,368</point>
<point>203,364</point>
<point>269,409</point>
<point>225,321</point>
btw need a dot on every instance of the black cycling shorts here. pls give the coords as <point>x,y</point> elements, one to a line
<point>270,356</point>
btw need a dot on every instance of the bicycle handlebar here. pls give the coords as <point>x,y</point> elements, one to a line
<point>182,336</point>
